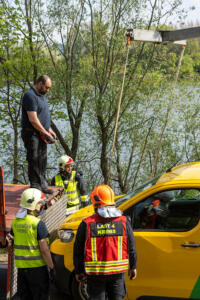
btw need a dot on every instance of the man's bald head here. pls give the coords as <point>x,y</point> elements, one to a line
<point>43,84</point>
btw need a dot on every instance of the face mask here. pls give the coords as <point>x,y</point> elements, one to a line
<point>109,212</point>
<point>21,213</point>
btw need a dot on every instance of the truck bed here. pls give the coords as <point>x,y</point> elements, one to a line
<point>12,200</point>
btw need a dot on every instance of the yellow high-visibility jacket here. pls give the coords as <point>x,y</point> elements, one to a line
<point>26,245</point>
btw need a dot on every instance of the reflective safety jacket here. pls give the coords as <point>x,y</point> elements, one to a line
<point>26,245</point>
<point>106,248</point>
<point>70,188</point>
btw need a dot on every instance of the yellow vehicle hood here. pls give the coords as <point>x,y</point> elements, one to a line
<point>73,221</point>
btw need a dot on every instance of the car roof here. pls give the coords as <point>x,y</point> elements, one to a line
<point>185,172</point>
<point>183,175</point>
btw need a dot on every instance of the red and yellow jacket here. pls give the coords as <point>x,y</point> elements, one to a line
<point>106,248</point>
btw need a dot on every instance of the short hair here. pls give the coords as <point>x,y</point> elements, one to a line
<point>43,79</point>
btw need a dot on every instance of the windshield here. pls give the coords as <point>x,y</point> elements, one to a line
<point>137,190</point>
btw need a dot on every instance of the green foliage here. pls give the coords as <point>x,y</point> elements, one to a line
<point>82,47</point>
<point>187,68</point>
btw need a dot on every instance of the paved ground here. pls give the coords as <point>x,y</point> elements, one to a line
<point>54,294</point>
<point>3,273</point>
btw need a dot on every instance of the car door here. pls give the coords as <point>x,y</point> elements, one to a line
<point>168,254</point>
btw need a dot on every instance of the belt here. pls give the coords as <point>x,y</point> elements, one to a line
<point>28,129</point>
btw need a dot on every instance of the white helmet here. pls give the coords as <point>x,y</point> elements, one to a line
<point>30,198</point>
<point>165,196</point>
<point>65,160</point>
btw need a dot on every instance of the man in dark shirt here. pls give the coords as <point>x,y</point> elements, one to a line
<point>35,126</point>
<point>103,247</point>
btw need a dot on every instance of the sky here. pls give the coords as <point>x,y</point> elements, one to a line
<point>193,15</point>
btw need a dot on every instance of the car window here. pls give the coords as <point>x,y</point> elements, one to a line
<point>136,190</point>
<point>174,210</point>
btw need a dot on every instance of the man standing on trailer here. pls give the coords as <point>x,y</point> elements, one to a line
<point>36,132</point>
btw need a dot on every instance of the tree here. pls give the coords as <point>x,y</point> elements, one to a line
<point>81,46</point>
<point>19,60</point>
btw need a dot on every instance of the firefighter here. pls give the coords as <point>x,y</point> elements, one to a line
<point>72,182</point>
<point>32,255</point>
<point>154,210</point>
<point>104,248</point>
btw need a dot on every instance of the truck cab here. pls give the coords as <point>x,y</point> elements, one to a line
<point>164,214</point>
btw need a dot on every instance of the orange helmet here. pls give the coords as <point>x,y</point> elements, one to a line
<point>102,195</point>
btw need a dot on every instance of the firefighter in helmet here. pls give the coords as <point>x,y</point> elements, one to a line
<point>32,254</point>
<point>154,210</point>
<point>72,182</point>
<point>104,248</point>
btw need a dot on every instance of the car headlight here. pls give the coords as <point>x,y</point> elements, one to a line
<point>66,235</point>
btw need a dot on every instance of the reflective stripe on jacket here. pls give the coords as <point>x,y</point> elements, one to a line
<point>70,188</point>
<point>106,249</point>
<point>26,245</point>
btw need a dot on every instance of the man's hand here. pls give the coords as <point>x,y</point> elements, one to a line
<point>80,277</point>
<point>48,138</point>
<point>52,133</point>
<point>10,238</point>
<point>52,275</point>
<point>132,274</point>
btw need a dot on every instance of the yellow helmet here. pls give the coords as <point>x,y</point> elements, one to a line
<point>30,198</point>
<point>102,195</point>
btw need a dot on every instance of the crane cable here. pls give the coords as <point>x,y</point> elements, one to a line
<point>119,106</point>
<point>118,109</point>
<point>168,112</point>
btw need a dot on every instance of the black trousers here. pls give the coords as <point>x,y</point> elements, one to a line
<point>36,156</point>
<point>110,286</point>
<point>33,283</point>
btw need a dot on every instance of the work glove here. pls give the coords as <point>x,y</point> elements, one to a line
<point>80,277</point>
<point>85,203</point>
<point>47,139</point>
<point>10,239</point>
<point>52,275</point>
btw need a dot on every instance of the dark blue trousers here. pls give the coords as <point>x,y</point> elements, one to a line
<point>36,156</point>
<point>33,283</point>
<point>110,287</point>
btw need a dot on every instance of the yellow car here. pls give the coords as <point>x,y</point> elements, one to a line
<point>164,215</point>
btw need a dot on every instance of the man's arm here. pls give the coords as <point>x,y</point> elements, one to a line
<point>44,248</point>
<point>131,250</point>
<point>53,183</point>
<point>79,251</point>
<point>82,189</point>
<point>42,234</point>
<point>80,183</point>
<point>32,116</point>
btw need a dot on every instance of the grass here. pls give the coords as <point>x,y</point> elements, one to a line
<point>3,255</point>
<point>3,250</point>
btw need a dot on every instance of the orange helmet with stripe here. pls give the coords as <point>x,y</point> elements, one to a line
<point>102,195</point>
